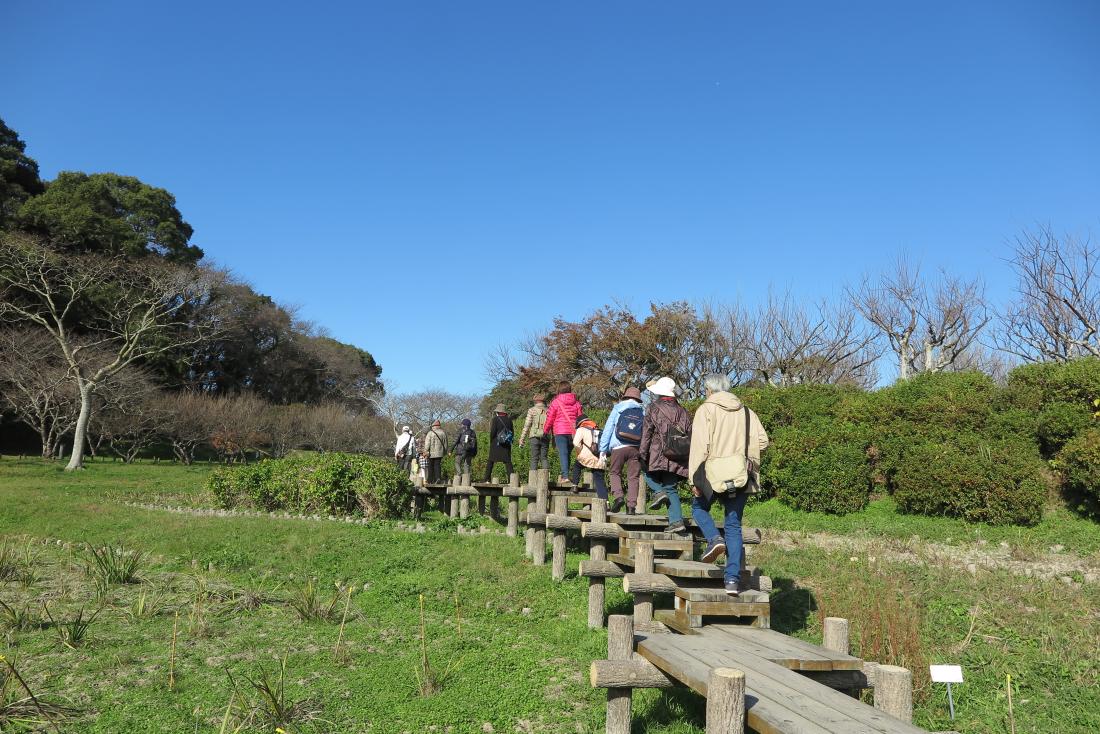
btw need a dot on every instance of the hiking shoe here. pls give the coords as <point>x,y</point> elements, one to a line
<point>733,588</point>
<point>659,501</point>
<point>617,505</point>
<point>676,527</point>
<point>715,549</point>
<point>631,511</point>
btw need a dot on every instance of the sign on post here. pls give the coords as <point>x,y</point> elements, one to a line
<point>947,674</point>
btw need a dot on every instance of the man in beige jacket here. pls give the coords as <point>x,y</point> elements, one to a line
<point>719,430</point>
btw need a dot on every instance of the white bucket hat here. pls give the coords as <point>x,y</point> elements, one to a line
<point>664,387</point>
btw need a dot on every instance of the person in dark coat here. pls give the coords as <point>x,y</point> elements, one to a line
<point>501,435</point>
<point>664,468</point>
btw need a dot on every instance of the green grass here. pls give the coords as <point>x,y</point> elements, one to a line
<point>505,667</point>
<point>881,518</point>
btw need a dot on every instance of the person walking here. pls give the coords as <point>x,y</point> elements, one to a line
<point>620,438</point>
<point>501,435</point>
<point>533,425</point>
<point>464,449</point>
<point>435,444</point>
<point>405,450</point>
<point>586,440</point>
<point>723,428</point>
<point>561,419</point>
<point>664,449</point>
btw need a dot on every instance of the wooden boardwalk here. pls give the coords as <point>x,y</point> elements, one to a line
<point>718,646</point>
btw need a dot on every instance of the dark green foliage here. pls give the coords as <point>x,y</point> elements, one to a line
<point>972,479</point>
<point>1079,463</point>
<point>819,466</point>
<point>331,483</point>
<point>18,174</point>
<point>1058,423</point>
<point>778,407</point>
<point>109,213</point>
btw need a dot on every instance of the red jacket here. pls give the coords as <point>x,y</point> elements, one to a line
<point>561,419</point>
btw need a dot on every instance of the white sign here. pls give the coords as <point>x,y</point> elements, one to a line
<point>946,673</point>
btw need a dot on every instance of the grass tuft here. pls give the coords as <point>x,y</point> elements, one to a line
<point>261,704</point>
<point>309,606</point>
<point>111,565</point>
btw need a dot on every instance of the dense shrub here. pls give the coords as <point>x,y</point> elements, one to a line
<point>1034,386</point>
<point>819,465</point>
<point>1079,463</point>
<point>972,479</point>
<point>328,483</point>
<point>1058,422</point>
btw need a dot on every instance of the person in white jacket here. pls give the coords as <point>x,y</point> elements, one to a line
<point>405,450</point>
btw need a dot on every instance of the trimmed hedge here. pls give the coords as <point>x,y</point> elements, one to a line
<point>330,483</point>
<point>818,466</point>
<point>972,479</point>
<point>1079,463</point>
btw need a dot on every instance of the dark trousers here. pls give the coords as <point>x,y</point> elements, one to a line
<point>539,446</point>
<point>489,470</point>
<point>435,470</point>
<point>625,456</point>
<point>405,462</point>
<point>598,477</point>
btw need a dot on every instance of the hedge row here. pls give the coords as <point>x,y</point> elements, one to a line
<point>331,483</point>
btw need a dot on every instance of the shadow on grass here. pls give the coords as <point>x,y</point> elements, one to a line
<point>792,606</point>
<point>674,706</point>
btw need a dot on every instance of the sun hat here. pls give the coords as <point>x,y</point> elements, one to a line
<point>664,387</point>
<point>538,398</point>
<point>437,423</point>
<point>406,429</point>
<point>632,393</point>
<point>466,422</point>
<point>500,408</point>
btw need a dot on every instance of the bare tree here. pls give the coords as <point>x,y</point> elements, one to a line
<point>1056,315</point>
<point>189,422</point>
<point>419,410</point>
<point>130,413</point>
<point>795,344</point>
<point>35,386</point>
<point>95,305</point>
<point>929,326</point>
<point>237,426</point>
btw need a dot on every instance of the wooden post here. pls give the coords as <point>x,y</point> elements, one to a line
<point>620,646</point>
<point>453,501</point>
<point>418,506</point>
<point>513,518</point>
<point>538,539</point>
<point>643,505</point>
<point>726,702</point>
<point>643,563</point>
<point>464,506</point>
<point>894,692</point>
<point>561,507</point>
<point>835,635</point>
<point>598,552</point>
<point>481,504</point>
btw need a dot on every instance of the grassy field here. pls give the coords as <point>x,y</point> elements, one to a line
<point>508,648</point>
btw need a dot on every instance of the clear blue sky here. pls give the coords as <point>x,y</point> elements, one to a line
<point>429,179</point>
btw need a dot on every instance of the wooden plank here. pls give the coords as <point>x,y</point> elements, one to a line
<point>831,708</point>
<point>727,609</point>
<point>789,657</point>
<point>749,536</point>
<point>693,592</point>
<point>763,714</point>
<point>679,568</point>
<point>673,621</point>
<point>783,643</point>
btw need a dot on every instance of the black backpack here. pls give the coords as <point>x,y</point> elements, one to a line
<point>469,442</point>
<point>628,428</point>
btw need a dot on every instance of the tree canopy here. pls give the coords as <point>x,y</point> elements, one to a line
<point>110,214</point>
<point>18,174</point>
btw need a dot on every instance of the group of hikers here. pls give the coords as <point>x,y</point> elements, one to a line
<point>717,453</point>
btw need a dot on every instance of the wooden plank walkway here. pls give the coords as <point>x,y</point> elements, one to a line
<point>778,700</point>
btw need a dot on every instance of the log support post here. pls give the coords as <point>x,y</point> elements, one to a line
<point>835,637</point>
<point>452,501</point>
<point>481,504</point>
<point>464,506</point>
<point>620,646</point>
<point>597,589</point>
<point>643,564</point>
<point>538,538</point>
<point>561,507</point>
<point>418,506</point>
<point>894,692</point>
<point>513,519</point>
<point>726,702</point>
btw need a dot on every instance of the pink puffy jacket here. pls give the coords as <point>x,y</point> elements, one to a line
<point>561,419</point>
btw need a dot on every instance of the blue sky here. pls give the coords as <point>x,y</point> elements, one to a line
<point>430,179</point>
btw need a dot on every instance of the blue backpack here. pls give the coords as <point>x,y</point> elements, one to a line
<point>628,428</point>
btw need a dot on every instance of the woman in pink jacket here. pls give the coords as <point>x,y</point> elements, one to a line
<point>561,420</point>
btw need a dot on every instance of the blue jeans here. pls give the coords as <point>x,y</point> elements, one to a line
<point>564,444</point>
<point>734,505</point>
<point>666,481</point>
